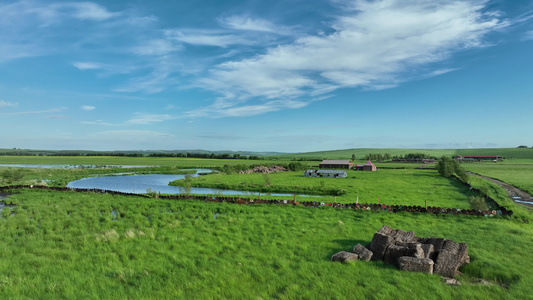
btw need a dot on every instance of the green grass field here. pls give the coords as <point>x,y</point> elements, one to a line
<point>511,153</point>
<point>519,175</point>
<point>69,245</point>
<point>392,187</point>
<point>96,246</point>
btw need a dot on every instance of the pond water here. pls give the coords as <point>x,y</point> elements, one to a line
<point>155,182</point>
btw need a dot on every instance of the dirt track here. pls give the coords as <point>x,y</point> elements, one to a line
<point>516,194</point>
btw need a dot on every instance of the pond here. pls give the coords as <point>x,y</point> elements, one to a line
<point>155,182</point>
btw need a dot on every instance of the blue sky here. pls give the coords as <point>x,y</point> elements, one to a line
<point>288,76</point>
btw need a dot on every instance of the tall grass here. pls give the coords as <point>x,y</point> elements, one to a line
<point>72,245</point>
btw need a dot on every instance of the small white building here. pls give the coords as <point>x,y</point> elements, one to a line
<point>326,173</point>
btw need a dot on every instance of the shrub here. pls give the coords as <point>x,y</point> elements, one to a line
<point>11,175</point>
<point>478,202</point>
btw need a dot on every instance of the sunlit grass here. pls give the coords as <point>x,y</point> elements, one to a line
<point>391,187</point>
<point>69,245</point>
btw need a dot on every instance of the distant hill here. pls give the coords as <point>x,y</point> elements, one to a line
<point>360,153</point>
<point>32,152</point>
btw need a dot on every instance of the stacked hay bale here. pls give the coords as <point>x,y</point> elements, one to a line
<point>411,253</point>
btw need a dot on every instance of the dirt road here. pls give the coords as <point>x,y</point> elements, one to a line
<point>516,194</point>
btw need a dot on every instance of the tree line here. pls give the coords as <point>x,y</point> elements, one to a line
<point>133,154</point>
<point>379,157</point>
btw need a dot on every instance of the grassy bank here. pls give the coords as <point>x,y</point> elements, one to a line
<point>71,245</point>
<point>519,175</point>
<point>392,187</point>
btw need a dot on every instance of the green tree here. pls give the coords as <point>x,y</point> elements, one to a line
<point>353,157</point>
<point>448,167</point>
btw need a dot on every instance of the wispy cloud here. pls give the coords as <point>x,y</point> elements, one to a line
<point>84,11</point>
<point>88,107</point>
<point>157,47</point>
<point>52,110</point>
<point>4,104</point>
<point>157,81</point>
<point>144,119</point>
<point>29,28</point>
<point>246,110</point>
<point>98,122</point>
<point>87,65</point>
<point>528,36</point>
<point>375,45</point>
<point>49,13</point>
<point>204,37</point>
<point>56,117</point>
<point>240,22</point>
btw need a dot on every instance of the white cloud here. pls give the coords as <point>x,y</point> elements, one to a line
<point>87,65</point>
<point>528,36</point>
<point>246,110</point>
<point>30,28</point>
<point>252,24</point>
<point>52,110</point>
<point>97,122</point>
<point>156,47</point>
<point>143,119</point>
<point>86,11</point>
<point>118,68</point>
<point>375,45</point>
<point>51,13</point>
<point>207,37</point>
<point>4,104</point>
<point>157,81</point>
<point>88,107</point>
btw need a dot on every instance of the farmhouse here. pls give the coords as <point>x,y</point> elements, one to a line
<point>369,166</point>
<point>326,173</point>
<point>478,157</point>
<point>336,164</point>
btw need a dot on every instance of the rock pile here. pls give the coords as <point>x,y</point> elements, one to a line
<point>263,169</point>
<point>411,253</point>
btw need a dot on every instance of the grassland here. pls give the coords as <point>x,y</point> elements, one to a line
<point>392,187</point>
<point>180,162</point>
<point>94,246</point>
<point>517,174</point>
<point>69,245</point>
<point>360,153</point>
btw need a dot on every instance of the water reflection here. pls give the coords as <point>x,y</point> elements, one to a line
<point>155,183</point>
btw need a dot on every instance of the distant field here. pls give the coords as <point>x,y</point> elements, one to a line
<point>114,160</point>
<point>514,153</point>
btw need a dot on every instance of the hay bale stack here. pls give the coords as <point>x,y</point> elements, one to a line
<point>452,256</point>
<point>362,252</point>
<point>413,264</point>
<point>411,253</point>
<point>344,257</point>
<point>394,252</point>
<point>379,245</point>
